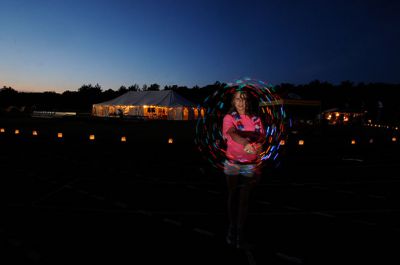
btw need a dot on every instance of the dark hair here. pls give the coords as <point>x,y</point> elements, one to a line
<point>250,101</point>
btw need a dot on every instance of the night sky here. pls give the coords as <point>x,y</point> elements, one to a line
<point>58,45</point>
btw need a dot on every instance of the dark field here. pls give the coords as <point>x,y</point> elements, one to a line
<point>72,201</point>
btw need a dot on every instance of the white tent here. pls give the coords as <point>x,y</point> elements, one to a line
<point>165,104</point>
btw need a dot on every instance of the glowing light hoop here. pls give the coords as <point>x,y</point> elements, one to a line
<point>209,138</point>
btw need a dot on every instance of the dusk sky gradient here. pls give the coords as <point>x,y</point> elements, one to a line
<point>58,45</point>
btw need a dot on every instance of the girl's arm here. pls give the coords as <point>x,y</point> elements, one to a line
<point>237,136</point>
<point>254,137</point>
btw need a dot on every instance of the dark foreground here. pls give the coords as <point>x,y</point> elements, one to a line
<point>147,202</point>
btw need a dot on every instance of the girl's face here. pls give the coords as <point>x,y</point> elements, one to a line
<point>239,101</point>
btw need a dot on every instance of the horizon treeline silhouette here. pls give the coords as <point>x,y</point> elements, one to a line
<point>357,97</point>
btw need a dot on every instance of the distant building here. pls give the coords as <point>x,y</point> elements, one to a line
<point>300,111</point>
<point>165,105</point>
<point>336,116</point>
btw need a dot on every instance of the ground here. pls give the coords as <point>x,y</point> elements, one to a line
<point>70,201</point>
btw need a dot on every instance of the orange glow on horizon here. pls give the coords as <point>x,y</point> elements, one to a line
<point>26,87</point>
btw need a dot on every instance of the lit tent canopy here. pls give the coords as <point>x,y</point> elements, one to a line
<point>165,104</point>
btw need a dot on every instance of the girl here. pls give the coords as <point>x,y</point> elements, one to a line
<point>244,134</point>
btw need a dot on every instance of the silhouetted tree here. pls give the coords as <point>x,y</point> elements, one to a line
<point>108,95</point>
<point>154,87</point>
<point>88,95</point>
<point>358,97</point>
<point>90,89</point>
<point>8,96</point>
<point>134,87</point>
<point>8,90</point>
<point>346,84</point>
<point>122,90</point>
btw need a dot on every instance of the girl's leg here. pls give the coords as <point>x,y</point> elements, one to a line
<point>243,204</point>
<point>245,189</point>
<point>232,182</point>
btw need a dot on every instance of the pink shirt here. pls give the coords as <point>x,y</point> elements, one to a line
<point>235,150</point>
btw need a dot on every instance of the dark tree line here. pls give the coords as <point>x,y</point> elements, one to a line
<point>345,95</point>
<point>87,95</point>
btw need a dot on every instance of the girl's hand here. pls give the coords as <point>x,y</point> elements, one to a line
<point>250,149</point>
